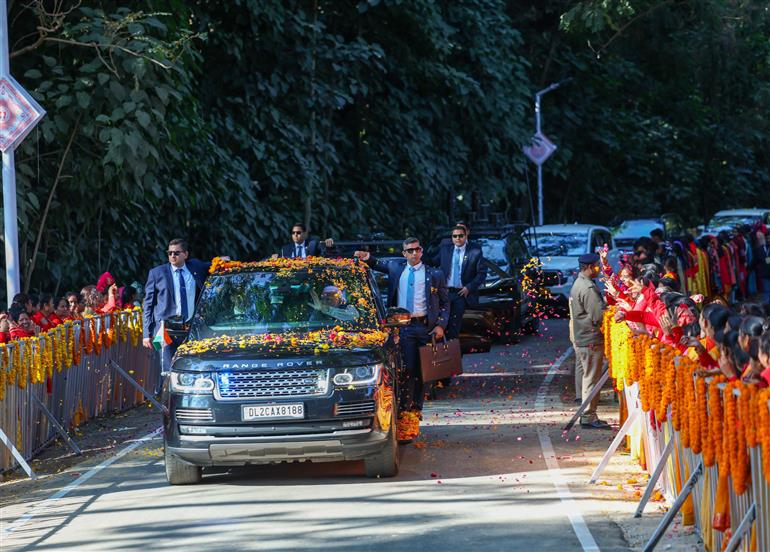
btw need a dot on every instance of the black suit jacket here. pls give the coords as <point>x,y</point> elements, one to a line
<point>313,248</point>
<point>473,271</point>
<point>436,295</point>
<point>159,302</point>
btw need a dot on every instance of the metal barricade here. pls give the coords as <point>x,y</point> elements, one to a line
<point>88,389</point>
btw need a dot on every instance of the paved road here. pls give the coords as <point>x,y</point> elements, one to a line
<point>475,480</point>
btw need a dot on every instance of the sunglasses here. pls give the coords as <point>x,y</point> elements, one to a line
<point>458,236</point>
<point>413,250</point>
<point>296,233</point>
<point>174,253</point>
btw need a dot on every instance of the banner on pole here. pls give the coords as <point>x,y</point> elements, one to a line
<point>19,113</point>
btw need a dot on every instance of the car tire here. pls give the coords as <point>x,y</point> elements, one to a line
<point>385,463</point>
<point>179,472</point>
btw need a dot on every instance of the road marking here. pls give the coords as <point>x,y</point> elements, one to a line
<point>49,502</point>
<point>557,477</point>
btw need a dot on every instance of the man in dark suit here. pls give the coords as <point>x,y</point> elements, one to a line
<point>170,295</point>
<point>421,290</point>
<point>301,246</point>
<point>466,270</point>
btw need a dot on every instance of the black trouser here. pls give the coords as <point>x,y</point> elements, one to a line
<point>411,394</point>
<point>457,304</point>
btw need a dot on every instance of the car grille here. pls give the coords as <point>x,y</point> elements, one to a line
<point>553,278</point>
<point>194,415</point>
<point>358,408</point>
<point>272,383</point>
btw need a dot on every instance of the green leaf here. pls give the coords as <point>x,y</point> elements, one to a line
<point>143,118</point>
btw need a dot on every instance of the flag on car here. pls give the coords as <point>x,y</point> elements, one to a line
<point>161,338</point>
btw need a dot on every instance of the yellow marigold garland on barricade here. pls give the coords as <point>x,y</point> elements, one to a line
<point>712,422</point>
<point>319,341</point>
<point>33,359</point>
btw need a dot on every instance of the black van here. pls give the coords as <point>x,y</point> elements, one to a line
<point>286,360</point>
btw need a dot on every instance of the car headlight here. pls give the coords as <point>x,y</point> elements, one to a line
<point>191,382</point>
<point>360,376</point>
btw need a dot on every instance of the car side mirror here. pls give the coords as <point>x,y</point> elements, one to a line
<point>396,316</point>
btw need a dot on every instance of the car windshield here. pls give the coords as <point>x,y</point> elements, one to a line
<point>287,301</point>
<point>494,250</point>
<point>732,221</point>
<point>636,228</point>
<point>558,244</point>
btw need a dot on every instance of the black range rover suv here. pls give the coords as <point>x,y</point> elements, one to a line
<point>286,360</point>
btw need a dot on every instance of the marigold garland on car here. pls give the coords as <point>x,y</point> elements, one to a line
<point>319,341</point>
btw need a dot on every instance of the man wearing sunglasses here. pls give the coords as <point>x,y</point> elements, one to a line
<point>422,291</point>
<point>301,246</point>
<point>466,270</point>
<point>170,294</point>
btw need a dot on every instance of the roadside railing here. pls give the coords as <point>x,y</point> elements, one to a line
<point>705,441</point>
<point>54,382</point>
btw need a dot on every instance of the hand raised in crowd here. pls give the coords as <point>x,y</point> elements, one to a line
<point>666,323</point>
<point>694,342</point>
<point>362,255</point>
<point>4,325</point>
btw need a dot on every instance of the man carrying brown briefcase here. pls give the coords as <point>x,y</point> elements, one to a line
<point>422,291</point>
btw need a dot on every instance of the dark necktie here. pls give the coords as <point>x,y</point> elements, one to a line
<point>298,252</point>
<point>182,295</point>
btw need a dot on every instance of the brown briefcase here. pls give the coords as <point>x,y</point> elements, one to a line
<point>440,360</point>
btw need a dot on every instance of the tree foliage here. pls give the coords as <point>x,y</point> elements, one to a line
<point>226,122</point>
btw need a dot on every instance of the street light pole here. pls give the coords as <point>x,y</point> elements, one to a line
<point>10,224</point>
<point>538,95</point>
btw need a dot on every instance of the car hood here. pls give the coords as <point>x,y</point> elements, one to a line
<point>564,264</point>
<point>245,359</point>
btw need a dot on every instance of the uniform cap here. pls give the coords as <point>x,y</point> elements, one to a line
<point>588,258</point>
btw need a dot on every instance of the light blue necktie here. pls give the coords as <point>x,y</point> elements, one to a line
<point>410,290</point>
<point>456,282</point>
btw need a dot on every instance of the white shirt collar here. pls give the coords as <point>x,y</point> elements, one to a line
<point>175,268</point>
<point>416,267</point>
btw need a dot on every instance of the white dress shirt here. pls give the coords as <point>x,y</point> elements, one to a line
<point>189,284</point>
<point>302,250</point>
<point>420,297</point>
<point>451,283</point>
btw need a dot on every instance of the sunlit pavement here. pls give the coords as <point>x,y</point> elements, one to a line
<point>476,479</point>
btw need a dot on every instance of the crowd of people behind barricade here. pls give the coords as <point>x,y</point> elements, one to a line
<point>30,314</point>
<point>682,295</point>
<point>733,266</point>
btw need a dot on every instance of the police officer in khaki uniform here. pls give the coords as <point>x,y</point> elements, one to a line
<point>586,309</point>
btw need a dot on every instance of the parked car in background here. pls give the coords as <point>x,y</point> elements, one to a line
<point>627,232</point>
<point>559,246</point>
<point>730,219</point>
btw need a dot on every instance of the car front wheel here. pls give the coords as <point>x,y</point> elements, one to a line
<point>179,472</point>
<point>385,462</point>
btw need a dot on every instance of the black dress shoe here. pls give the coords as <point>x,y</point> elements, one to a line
<point>596,424</point>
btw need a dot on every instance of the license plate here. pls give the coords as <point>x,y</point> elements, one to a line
<point>273,411</point>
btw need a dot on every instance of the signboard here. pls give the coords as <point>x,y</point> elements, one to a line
<point>19,113</point>
<point>540,149</point>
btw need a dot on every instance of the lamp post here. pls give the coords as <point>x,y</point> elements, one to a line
<point>538,95</point>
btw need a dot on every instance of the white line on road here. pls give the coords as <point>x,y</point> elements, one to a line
<point>559,481</point>
<point>49,502</point>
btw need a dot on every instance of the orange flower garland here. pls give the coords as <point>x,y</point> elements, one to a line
<point>319,341</point>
